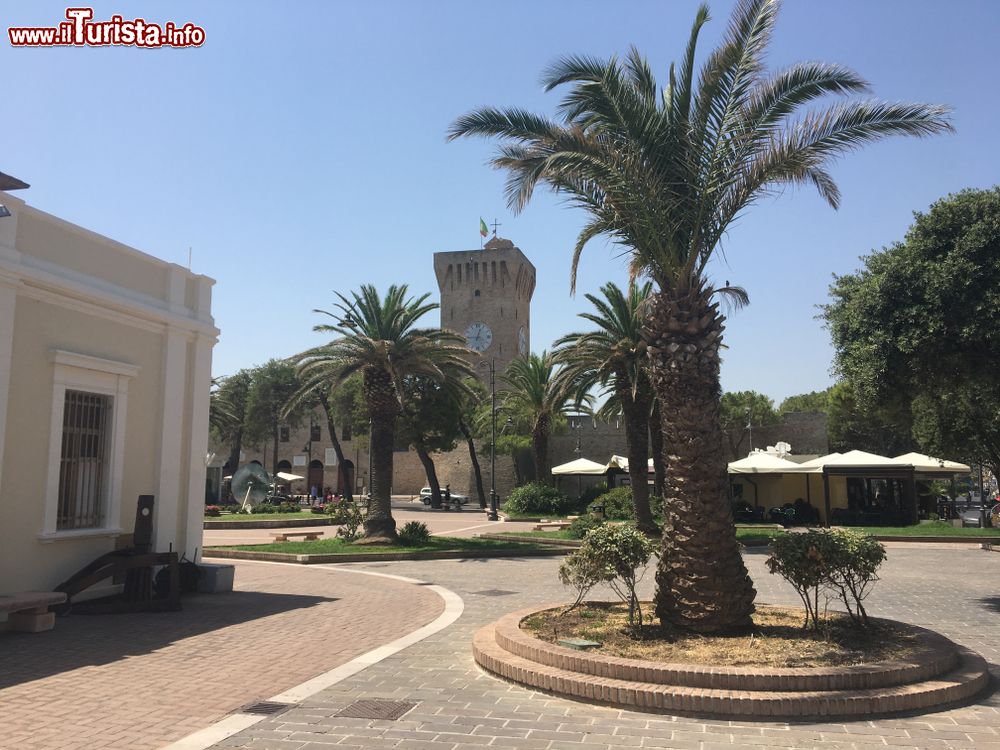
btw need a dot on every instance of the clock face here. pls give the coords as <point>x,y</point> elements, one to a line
<point>479,337</point>
<point>522,341</point>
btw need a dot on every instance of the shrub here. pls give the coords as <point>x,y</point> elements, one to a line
<point>414,534</point>
<point>537,498</point>
<point>348,516</point>
<point>612,554</point>
<point>213,510</point>
<point>263,508</point>
<point>843,562</point>
<point>289,508</point>
<point>318,509</point>
<point>580,526</point>
<point>618,504</point>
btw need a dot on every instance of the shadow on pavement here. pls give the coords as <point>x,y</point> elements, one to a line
<point>92,640</point>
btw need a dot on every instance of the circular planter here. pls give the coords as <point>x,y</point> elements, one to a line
<point>940,673</point>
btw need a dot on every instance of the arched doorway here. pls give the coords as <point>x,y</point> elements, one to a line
<point>315,478</point>
<point>285,466</point>
<point>345,477</point>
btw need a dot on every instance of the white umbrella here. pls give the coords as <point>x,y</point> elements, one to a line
<point>288,477</point>
<point>582,466</point>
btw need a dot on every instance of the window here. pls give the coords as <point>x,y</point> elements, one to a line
<point>283,434</point>
<point>345,432</point>
<point>83,465</point>
<point>86,451</point>
<point>314,433</point>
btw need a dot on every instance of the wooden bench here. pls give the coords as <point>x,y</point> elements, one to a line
<point>28,611</point>
<point>307,536</point>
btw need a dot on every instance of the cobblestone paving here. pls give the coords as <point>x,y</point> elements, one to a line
<point>142,680</point>
<point>459,707</point>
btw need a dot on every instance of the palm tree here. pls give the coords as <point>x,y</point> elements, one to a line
<point>377,336</point>
<point>534,395</point>
<point>664,171</point>
<point>614,357</point>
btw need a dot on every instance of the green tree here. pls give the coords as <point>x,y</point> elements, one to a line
<point>740,409</point>
<point>884,428</point>
<point>230,408</point>
<point>378,337</point>
<point>613,357</point>
<point>474,398</point>
<point>535,398</point>
<point>272,386</point>
<point>664,170</point>
<point>917,329</point>
<point>814,401</point>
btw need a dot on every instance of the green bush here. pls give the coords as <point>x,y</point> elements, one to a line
<point>213,510</point>
<point>611,553</point>
<point>618,504</point>
<point>413,534</point>
<point>537,498</point>
<point>580,526</point>
<point>843,562</point>
<point>263,508</point>
<point>289,508</point>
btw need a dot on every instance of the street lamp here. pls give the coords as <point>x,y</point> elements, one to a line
<point>492,515</point>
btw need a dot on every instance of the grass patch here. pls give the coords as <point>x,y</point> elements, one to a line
<point>265,516</point>
<point>776,640</point>
<point>935,528</point>
<point>336,546</point>
<point>743,535</point>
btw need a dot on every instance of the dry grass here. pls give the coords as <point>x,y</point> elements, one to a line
<point>777,639</point>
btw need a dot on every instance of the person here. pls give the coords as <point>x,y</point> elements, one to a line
<point>447,497</point>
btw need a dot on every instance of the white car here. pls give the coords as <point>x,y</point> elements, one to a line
<point>425,497</point>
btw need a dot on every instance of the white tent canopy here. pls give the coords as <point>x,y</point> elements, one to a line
<point>621,462</point>
<point>851,459</point>
<point>580,467</point>
<point>760,462</point>
<point>928,465</point>
<point>288,477</point>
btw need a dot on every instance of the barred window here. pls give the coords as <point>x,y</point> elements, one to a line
<point>345,433</point>
<point>314,433</point>
<point>283,434</point>
<point>83,466</point>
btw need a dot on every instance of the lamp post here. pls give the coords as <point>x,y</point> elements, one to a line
<point>492,515</point>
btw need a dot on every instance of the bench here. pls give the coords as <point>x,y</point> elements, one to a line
<point>29,610</point>
<point>554,525</point>
<point>307,536</point>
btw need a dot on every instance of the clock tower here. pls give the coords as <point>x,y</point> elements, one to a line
<point>486,297</point>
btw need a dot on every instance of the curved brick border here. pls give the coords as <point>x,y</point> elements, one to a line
<point>941,673</point>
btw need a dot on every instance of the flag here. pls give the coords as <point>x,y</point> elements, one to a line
<point>483,229</point>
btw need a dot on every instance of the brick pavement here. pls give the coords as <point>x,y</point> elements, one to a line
<point>142,680</point>
<point>459,707</point>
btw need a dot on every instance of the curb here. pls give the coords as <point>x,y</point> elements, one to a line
<point>288,523</point>
<point>320,559</point>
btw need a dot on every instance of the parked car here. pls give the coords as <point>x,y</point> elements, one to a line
<point>425,497</point>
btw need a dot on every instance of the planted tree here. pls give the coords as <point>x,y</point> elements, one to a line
<point>664,170</point>
<point>740,412</point>
<point>271,389</point>
<point>229,402</point>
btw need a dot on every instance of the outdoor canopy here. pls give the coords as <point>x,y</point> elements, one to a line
<point>288,477</point>
<point>927,465</point>
<point>762,463</point>
<point>621,463</point>
<point>580,467</point>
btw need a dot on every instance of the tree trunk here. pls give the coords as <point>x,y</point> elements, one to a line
<point>234,453</point>
<point>274,450</point>
<point>474,457</point>
<point>635,411</point>
<point>432,478</point>
<point>332,429</point>
<point>702,584</point>
<point>383,408</point>
<point>540,450</point>
<point>656,444</point>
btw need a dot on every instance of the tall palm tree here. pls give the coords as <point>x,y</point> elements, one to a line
<point>614,357</point>
<point>534,394</point>
<point>377,336</point>
<point>664,171</point>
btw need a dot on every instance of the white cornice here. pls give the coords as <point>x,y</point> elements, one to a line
<point>86,362</point>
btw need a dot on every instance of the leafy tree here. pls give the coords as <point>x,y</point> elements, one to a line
<point>272,386</point>
<point>230,400</point>
<point>739,409</point>
<point>534,397</point>
<point>613,356</point>
<point>474,398</point>
<point>664,170</point>
<point>814,401</point>
<point>378,337</point>
<point>884,428</point>
<point>917,329</point>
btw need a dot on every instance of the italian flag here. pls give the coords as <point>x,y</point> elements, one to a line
<point>483,229</point>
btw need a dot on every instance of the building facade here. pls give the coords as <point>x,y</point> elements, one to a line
<point>105,370</point>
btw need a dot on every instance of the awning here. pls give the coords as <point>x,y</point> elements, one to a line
<point>621,463</point>
<point>581,467</point>
<point>928,465</point>
<point>762,463</point>
<point>288,477</point>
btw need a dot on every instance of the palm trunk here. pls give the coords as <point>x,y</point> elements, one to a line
<point>432,479</point>
<point>383,409</point>
<point>635,410</point>
<point>474,457</point>
<point>701,582</point>
<point>332,429</point>
<point>235,450</point>
<point>656,444</point>
<point>540,450</point>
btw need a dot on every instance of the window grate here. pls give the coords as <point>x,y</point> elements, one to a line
<point>84,458</point>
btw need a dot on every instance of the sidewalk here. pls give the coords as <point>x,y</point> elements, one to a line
<point>459,707</point>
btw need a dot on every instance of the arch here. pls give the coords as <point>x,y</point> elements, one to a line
<point>345,477</point>
<point>285,466</point>
<point>315,478</point>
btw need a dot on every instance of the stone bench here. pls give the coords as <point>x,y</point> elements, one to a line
<point>553,525</point>
<point>28,611</point>
<point>307,536</point>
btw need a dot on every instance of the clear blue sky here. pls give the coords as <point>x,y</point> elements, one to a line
<point>302,150</point>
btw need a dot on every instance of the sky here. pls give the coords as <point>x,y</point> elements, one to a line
<point>301,150</point>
